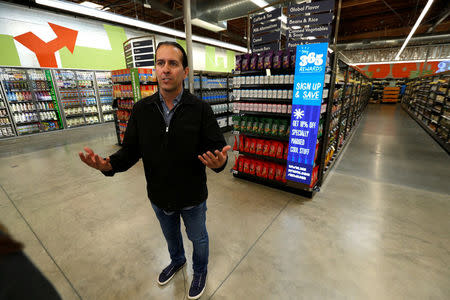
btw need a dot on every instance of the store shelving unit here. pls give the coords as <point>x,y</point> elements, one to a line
<point>103,86</point>
<point>391,94</point>
<point>130,86</point>
<point>29,100</point>
<point>215,88</point>
<point>427,101</point>
<point>260,101</point>
<point>6,124</point>
<point>76,89</point>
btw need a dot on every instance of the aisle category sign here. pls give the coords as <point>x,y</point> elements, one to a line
<point>310,67</point>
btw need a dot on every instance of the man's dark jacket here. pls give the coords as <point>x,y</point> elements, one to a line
<point>176,178</point>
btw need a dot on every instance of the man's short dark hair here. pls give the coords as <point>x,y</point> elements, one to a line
<point>176,45</point>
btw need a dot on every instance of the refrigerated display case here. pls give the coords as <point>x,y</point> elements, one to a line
<point>105,95</point>
<point>77,95</point>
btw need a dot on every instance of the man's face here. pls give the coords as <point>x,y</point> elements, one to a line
<point>169,68</point>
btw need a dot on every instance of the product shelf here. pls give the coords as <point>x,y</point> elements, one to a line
<point>260,113</point>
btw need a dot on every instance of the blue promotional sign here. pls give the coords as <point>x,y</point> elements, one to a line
<point>310,66</point>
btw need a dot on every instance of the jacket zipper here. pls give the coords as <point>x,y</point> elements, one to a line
<point>167,126</point>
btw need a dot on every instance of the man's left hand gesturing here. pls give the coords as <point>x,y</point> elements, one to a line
<point>215,161</point>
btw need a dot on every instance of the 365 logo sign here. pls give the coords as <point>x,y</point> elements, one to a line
<point>311,58</point>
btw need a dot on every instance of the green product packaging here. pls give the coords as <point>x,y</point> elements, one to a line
<point>249,125</point>
<point>261,126</point>
<point>282,128</point>
<point>243,124</point>
<point>275,126</point>
<point>237,122</point>
<point>288,130</point>
<point>268,126</point>
<point>255,125</point>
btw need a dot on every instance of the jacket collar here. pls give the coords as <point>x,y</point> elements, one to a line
<point>186,98</point>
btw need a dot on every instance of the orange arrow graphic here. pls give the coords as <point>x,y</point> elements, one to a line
<point>45,52</point>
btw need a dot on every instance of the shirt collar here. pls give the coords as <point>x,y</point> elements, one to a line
<point>176,100</point>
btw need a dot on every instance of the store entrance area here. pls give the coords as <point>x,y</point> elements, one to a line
<point>378,229</point>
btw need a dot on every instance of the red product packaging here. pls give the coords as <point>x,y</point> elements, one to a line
<point>258,168</point>
<point>286,151</point>
<point>236,163</point>
<point>246,166</point>
<point>273,149</point>
<point>265,170</point>
<point>284,175</point>
<point>280,150</point>
<point>241,143</point>
<point>259,147</point>
<point>235,146</point>
<point>279,173</point>
<point>241,164</point>
<point>271,171</point>
<point>252,167</point>
<point>266,148</point>
<point>252,146</point>
<point>247,145</point>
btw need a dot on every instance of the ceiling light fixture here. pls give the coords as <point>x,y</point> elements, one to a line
<point>83,10</point>
<point>422,15</point>
<point>207,25</point>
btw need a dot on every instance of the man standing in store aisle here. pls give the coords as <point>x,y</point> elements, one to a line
<point>176,135</point>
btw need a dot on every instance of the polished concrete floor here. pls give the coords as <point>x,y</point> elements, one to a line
<point>378,229</point>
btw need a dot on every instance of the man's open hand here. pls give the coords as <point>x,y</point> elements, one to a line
<point>95,161</point>
<point>215,161</point>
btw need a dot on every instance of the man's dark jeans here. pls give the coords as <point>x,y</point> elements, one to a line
<point>195,222</point>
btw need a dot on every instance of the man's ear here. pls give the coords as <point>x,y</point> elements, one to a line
<point>186,72</point>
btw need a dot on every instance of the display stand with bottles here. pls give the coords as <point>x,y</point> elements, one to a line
<point>105,95</point>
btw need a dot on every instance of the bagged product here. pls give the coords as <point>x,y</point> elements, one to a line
<point>259,146</point>
<point>268,126</point>
<point>236,122</point>
<point>261,61</point>
<point>266,148</point>
<point>268,60</point>
<point>236,164</point>
<point>282,128</point>
<point>275,126</point>
<point>288,130</point>
<point>245,62</point>
<point>255,128</point>
<point>253,146</point>
<point>286,59</point>
<point>261,126</point>
<point>246,165</point>
<point>280,147</point>
<point>292,56</point>
<point>284,175</point>
<point>258,168</point>
<point>249,125</point>
<point>235,146</point>
<point>273,149</point>
<point>277,60</point>
<point>265,170</point>
<point>254,62</point>
<point>241,164</point>
<point>279,173</point>
<point>252,166</point>
<point>271,171</point>
<point>247,144</point>
<point>243,124</point>
<point>286,151</point>
<point>241,143</point>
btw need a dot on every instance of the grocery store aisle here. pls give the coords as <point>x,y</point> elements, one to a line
<point>379,228</point>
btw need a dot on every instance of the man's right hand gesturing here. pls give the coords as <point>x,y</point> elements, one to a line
<point>95,161</point>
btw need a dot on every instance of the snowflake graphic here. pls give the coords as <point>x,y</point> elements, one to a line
<point>299,114</point>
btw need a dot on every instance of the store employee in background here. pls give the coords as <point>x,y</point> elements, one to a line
<point>176,135</point>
